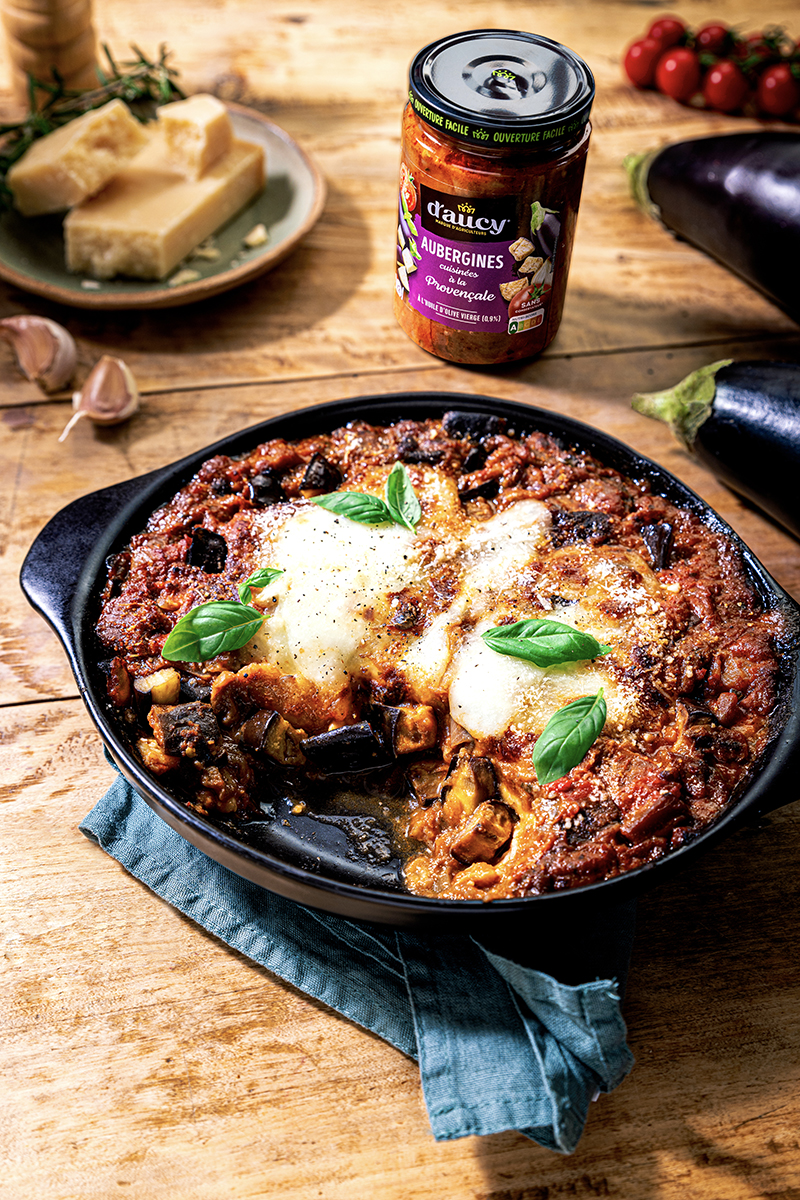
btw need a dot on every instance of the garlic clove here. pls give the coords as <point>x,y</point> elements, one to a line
<point>46,352</point>
<point>108,396</point>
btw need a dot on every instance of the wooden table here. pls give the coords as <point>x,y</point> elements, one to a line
<point>141,1057</point>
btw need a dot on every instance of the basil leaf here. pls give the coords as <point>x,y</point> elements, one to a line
<point>401,504</point>
<point>543,642</point>
<point>211,629</point>
<point>357,506</point>
<point>567,736</point>
<point>259,579</point>
<point>401,499</point>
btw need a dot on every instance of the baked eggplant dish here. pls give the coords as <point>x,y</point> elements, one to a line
<point>545,673</point>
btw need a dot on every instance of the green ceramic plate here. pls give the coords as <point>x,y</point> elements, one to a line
<point>32,248</point>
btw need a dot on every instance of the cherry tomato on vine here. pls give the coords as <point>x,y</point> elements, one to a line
<point>713,38</point>
<point>756,48</point>
<point>640,61</point>
<point>678,73</point>
<point>667,31</point>
<point>725,87</point>
<point>778,91</point>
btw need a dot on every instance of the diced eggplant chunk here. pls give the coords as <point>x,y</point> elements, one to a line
<point>265,489</point>
<point>410,451</point>
<point>268,733</point>
<point>221,486</point>
<point>474,426</point>
<point>320,476</point>
<point>488,830</point>
<point>404,729</point>
<point>188,730</point>
<point>698,714</point>
<point>654,816</point>
<point>476,458</point>
<point>208,550</point>
<point>416,729</point>
<point>571,526</point>
<point>483,491</point>
<point>470,781</point>
<point>658,542</point>
<point>162,687</point>
<point>194,688</point>
<point>346,751</point>
<point>425,780</point>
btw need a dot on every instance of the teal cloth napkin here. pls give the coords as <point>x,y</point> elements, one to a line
<point>500,1046</point>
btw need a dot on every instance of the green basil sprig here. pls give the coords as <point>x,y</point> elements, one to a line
<point>400,506</point>
<point>356,506</point>
<point>567,737</point>
<point>543,642</point>
<point>218,626</point>
<point>259,579</point>
<point>401,499</point>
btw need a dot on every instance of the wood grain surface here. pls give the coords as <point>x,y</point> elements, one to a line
<point>142,1058</point>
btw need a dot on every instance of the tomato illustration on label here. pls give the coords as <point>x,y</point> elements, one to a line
<point>408,192</point>
<point>408,254</point>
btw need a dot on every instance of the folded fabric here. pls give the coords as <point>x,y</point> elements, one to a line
<point>500,1046</point>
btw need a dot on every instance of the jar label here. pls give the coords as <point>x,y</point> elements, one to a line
<point>475,262</point>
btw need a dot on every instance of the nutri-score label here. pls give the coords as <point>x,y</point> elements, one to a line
<point>473,262</point>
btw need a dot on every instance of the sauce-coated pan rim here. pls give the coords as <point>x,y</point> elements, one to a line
<point>63,581</point>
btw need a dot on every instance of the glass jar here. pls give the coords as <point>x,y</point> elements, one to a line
<point>494,142</point>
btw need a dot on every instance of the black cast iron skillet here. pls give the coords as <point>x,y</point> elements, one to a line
<point>335,864</point>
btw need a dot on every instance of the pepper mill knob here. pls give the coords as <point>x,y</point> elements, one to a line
<point>48,35</point>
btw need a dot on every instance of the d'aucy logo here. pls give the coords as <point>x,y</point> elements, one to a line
<point>468,218</point>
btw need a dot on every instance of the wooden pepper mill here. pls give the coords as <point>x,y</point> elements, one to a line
<point>48,35</point>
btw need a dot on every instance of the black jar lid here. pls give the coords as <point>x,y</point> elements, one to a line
<point>501,87</point>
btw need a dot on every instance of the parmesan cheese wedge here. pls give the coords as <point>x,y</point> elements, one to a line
<point>150,216</point>
<point>197,132</point>
<point>76,161</point>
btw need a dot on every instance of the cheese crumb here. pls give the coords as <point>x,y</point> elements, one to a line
<point>208,251</point>
<point>256,237</point>
<point>187,275</point>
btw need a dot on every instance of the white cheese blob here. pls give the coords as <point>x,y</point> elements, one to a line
<point>491,693</point>
<point>490,558</point>
<point>334,571</point>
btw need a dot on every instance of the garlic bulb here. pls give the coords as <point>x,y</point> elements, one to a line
<point>108,396</point>
<point>46,352</point>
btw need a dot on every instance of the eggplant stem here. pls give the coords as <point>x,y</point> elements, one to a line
<point>685,406</point>
<point>638,167</point>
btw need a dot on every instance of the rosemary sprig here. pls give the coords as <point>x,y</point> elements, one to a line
<point>143,84</point>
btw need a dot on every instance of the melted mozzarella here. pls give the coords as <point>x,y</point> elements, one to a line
<point>332,606</point>
<point>491,693</point>
<point>336,573</point>
<point>490,558</point>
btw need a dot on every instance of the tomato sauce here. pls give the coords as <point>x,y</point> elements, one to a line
<point>494,142</point>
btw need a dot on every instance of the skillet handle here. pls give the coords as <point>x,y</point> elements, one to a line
<point>54,574</point>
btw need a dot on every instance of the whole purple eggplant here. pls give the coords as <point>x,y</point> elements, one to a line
<point>742,420</point>
<point>737,197</point>
<point>547,235</point>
